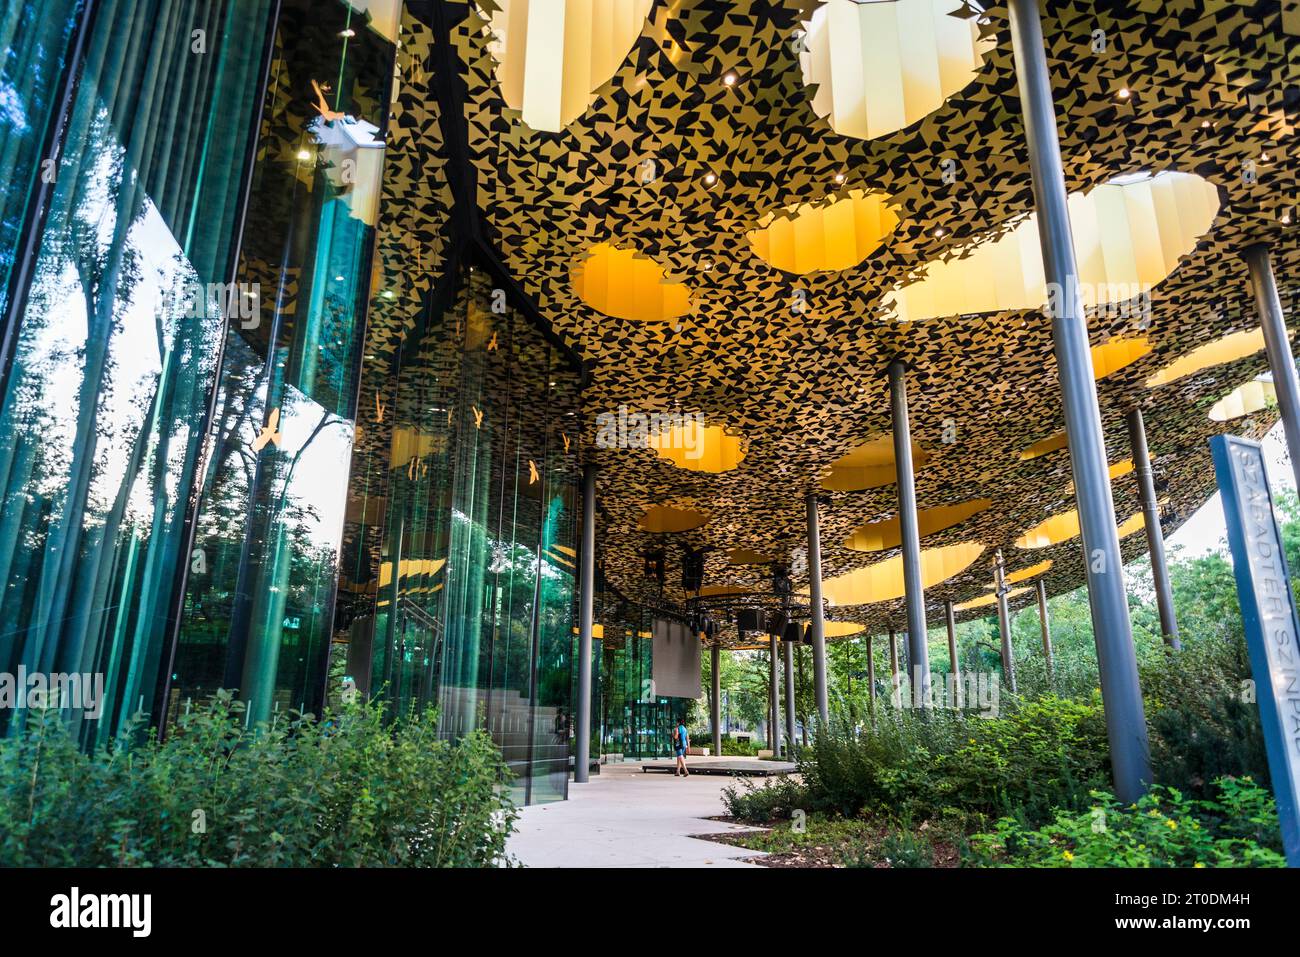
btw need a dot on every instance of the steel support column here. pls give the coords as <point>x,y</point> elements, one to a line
<point>895,680</point>
<point>1113,633</point>
<point>1277,344</point>
<point>950,618</point>
<point>1137,437</point>
<point>1004,621</point>
<point>1045,625</point>
<point>586,618</point>
<point>787,651</point>
<point>715,711</point>
<point>818,621</point>
<point>773,698</point>
<point>918,655</point>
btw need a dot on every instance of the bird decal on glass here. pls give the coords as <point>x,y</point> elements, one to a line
<point>270,432</point>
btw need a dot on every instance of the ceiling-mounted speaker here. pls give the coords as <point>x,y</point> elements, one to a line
<point>693,571</point>
<point>751,619</point>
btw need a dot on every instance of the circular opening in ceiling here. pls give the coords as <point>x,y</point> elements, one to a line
<point>1024,574</point>
<point>870,465</point>
<point>698,448</point>
<point>878,536</point>
<point>1253,396</point>
<point>626,284</point>
<point>665,519</point>
<point>985,601</point>
<point>1065,526</point>
<point>884,580</point>
<point>1228,349</point>
<point>834,235</point>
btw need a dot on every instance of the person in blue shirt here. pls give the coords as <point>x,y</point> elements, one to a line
<point>681,741</point>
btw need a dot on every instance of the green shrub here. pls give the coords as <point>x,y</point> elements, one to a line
<point>352,790</point>
<point>1165,828</point>
<point>774,800</point>
<point>1032,758</point>
<point>1202,725</point>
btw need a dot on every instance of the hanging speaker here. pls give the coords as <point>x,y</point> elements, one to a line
<point>807,634</point>
<point>750,619</point>
<point>792,631</point>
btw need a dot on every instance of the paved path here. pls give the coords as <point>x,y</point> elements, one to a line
<point>626,818</point>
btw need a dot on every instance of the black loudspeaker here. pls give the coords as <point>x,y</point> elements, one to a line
<point>792,631</point>
<point>776,623</point>
<point>807,634</point>
<point>693,571</point>
<point>750,619</point>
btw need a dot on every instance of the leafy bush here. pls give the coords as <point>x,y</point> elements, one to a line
<point>1164,829</point>
<point>1203,726</point>
<point>1034,757</point>
<point>352,790</point>
<point>774,800</point>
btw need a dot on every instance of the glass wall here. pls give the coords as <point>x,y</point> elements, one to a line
<point>117,327</point>
<point>258,606</point>
<point>475,462</point>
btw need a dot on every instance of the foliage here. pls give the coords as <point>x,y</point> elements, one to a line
<point>1165,828</point>
<point>352,790</point>
<point>773,800</point>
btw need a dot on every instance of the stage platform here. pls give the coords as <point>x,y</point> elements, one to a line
<point>734,767</point>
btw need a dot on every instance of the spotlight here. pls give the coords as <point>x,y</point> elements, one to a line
<point>729,79</point>
<point>839,177</point>
<point>710,178</point>
<point>1124,93</point>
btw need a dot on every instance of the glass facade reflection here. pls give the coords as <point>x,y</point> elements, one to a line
<point>218,469</point>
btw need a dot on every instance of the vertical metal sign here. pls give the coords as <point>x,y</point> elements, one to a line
<point>1268,612</point>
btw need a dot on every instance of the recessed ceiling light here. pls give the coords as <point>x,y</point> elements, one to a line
<point>729,79</point>
<point>939,231</point>
<point>304,155</point>
<point>1124,93</point>
<point>348,32</point>
<point>1205,124</point>
<point>839,177</point>
<point>710,178</point>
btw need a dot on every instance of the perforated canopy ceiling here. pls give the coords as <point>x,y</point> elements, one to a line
<point>772,266</point>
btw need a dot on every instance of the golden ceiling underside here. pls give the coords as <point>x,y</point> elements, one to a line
<point>707,127</point>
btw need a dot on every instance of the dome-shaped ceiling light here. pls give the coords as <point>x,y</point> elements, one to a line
<point>1230,348</point>
<point>699,448</point>
<point>1254,396</point>
<point>1065,526</point>
<point>884,580</point>
<point>878,536</point>
<point>879,67</point>
<point>837,234</point>
<point>870,465</point>
<point>552,57</point>
<point>625,284</point>
<point>665,519</point>
<point>1128,236</point>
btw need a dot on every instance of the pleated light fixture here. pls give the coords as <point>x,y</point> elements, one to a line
<point>1128,236</point>
<point>883,581</point>
<point>878,67</point>
<point>626,284</point>
<point>552,55</point>
<point>1254,396</point>
<point>699,448</point>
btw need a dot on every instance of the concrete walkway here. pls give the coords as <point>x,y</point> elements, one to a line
<point>626,818</point>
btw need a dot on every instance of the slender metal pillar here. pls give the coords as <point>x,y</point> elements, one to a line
<point>1137,438</point>
<point>803,718</point>
<point>773,698</point>
<point>715,716</point>
<point>818,614</point>
<point>871,670</point>
<point>1045,625</point>
<point>918,655</point>
<point>1004,621</point>
<point>895,679</point>
<point>1277,344</point>
<point>1112,630</point>
<point>586,617</point>
<point>950,618</point>
<point>787,650</point>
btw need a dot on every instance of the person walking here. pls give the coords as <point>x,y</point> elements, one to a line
<point>681,741</point>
